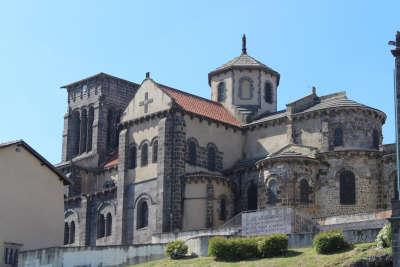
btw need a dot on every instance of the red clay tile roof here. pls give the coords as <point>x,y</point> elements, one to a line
<point>200,106</point>
<point>112,161</point>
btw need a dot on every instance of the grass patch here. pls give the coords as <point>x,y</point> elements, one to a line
<point>303,257</point>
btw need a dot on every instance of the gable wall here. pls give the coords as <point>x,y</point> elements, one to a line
<point>31,201</point>
<point>161,101</point>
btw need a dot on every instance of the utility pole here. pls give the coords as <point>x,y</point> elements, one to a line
<point>395,219</point>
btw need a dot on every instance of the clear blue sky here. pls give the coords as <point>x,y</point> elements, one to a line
<point>333,45</point>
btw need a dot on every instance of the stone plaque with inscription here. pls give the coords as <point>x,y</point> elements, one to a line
<point>274,220</point>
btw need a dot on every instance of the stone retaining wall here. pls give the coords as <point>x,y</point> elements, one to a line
<point>105,256</point>
<point>199,245</point>
<point>197,241</point>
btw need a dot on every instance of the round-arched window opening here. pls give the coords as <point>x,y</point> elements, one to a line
<point>221,92</point>
<point>272,192</point>
<point>142,217</point>
<point>268,98</point>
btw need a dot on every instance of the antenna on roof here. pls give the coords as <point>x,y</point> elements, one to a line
<point>244,50</point>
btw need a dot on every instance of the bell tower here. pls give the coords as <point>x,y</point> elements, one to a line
<point>245,86</point>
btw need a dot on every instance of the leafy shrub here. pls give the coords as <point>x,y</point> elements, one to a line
<point>330,242</point>
<point>384,238</point>
<point>233,249</point>
<point>236,249</point>
<point>176,249</point>
<point>273,245</point>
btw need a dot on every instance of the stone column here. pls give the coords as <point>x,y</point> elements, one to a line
<point>172,143</point>
<point>122,227</point>
<point>83,235</point>
<point>395,219</point>
<point>289,126</point>
<point>325,136</point>
<point>210,204</point>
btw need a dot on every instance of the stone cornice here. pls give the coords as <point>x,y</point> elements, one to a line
<point>268,161</point>
<point>91,195</point>
<point>131,122</point>
<point>351,152</point>
<point>202,177</point>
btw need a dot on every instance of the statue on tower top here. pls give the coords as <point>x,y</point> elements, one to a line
<point>244,50</point>
<point>397,42</point>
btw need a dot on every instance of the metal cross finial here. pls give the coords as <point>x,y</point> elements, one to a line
<point>146,102</point>
<point>244,50</point>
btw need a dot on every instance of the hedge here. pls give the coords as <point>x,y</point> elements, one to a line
<point>236,249</point>
<point>273,245</point>
<point>330,242</point>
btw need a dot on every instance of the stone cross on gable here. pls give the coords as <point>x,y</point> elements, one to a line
<point>146,102</point>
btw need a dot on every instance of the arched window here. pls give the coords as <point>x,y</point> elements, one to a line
<point>75,133</point>
<point>192,152</point>
<point>110,129</point>
<point>132,157</point>
<point>100,226</point>
<point>155,151</point>
<point>375,139</point>
<point>142,215</point>
<point>252,197</point>
<point>338,138</point>
<point>108,224</point>
<point>268,92</point>
<point>347,188</point>
<point>221,92</point>
<point>222,209</point>
<point>304,192</point>
<point>72,233</point>
<point>90,129</point>
<point>245,88</point>
<point>66,233</point>
<point>83,141</point>
<point>272,192</point>
<point>211,157</point>
<point>144,154</point>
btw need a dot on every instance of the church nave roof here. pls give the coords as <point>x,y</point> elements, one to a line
<point>201,106</point>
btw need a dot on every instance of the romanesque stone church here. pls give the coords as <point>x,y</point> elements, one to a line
<point>147,158</point>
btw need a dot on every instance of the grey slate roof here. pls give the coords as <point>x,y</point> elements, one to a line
<point>246,163</point>
<point>294,150</point>
<point>336,100</point>
<point>243,61</point>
